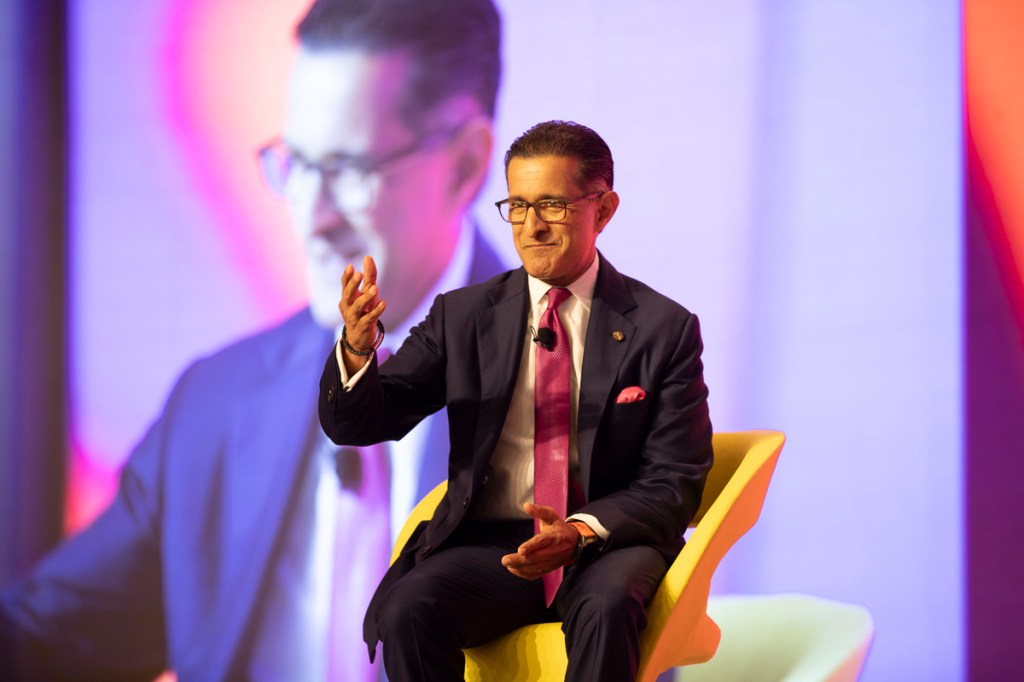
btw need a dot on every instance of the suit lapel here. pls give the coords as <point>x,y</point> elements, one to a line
<point>500,339</point>
<point>499,335</point>
<point>602,358</point>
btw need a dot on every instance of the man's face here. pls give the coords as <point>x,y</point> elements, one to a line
<point>342,105</point>
<point>554,252</point>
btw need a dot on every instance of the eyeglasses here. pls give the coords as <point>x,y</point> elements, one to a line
<point>352,181</point>
<point>548,210</point>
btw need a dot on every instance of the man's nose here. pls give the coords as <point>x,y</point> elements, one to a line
<point>532,224</point>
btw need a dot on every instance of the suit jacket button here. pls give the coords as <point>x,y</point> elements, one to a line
<point>330,394</point>
<point>426,550</point>
<point>465,502</point>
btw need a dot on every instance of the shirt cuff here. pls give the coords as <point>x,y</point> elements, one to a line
<point>594,524</point>
<point>347,382</point>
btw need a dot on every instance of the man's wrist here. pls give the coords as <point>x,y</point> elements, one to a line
<point>363,352</point>
<point>587,541</point>
<point>583,529</point>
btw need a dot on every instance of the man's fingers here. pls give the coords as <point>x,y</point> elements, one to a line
<point>544,513</point>
<point>370,282</point>
<point>526,568</point>
<point>360,304</point>
<point>519,566</point>
<point>369,320</point>
<point>369,298</point>
<point>365,322</point>
<point>536,544</point>
<point>346,274</point>
<point>350,288</point>
<point>369,270</point>
<point>524,575</point>
<point>358,292</point>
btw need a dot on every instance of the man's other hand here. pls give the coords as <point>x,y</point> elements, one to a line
<point>552,547</point>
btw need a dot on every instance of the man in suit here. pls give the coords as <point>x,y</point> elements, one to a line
<point>628,447</point>
<point>227,552</point>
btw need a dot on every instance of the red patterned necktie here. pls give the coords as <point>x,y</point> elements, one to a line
<point>551,422</point>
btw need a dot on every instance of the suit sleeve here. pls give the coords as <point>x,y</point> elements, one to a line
<point>386,403</point>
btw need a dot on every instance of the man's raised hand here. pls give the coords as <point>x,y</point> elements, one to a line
<point>360,306</point>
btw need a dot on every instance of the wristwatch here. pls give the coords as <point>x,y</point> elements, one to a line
<point>588,543</point>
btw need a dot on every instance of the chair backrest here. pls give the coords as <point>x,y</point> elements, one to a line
<point>679,631</point>
<point>731,450</point>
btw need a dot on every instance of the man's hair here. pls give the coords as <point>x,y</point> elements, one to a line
<point>454,46</point>
<point>596,171</point>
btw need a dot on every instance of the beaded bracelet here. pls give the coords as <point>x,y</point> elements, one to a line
<point>376,342</point>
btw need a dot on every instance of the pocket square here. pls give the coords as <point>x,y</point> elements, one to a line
<point>632,394</point>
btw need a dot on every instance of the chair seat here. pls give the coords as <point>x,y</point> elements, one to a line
<point>534,653</point>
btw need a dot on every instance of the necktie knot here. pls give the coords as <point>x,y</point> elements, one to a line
<point>556,296</point>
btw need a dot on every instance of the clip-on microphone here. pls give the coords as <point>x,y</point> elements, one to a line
<point>545,337</point>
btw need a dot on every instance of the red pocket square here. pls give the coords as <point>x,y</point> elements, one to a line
<point>632,394</point>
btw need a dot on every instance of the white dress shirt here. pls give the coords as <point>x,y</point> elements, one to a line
<point>510,474</point>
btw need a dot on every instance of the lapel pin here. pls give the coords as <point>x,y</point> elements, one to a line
<point>618,336</point>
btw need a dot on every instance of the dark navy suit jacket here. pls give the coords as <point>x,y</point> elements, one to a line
<point>171,573</point>
<point>642,464</point>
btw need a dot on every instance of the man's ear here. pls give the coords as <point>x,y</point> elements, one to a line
<point>607,205</point>
<point>471,156</point>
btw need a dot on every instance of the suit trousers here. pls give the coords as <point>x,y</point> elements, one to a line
<point>461,596</point>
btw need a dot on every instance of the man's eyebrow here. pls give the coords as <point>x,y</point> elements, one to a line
<point>543,197</point>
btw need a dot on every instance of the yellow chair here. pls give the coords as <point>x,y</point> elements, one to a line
<point>679,630</point>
